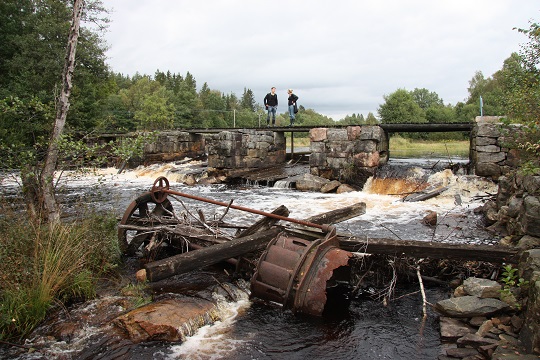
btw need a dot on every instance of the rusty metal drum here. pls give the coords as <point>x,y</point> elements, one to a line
<point>294,271</point>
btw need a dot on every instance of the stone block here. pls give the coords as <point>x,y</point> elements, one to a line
<point>317,160</point>
<point>337,135</point>
<point>483,141</point>
<point>318,134</point>
<point>531,184</point>
<point>337,163</point>
<point>354,132</point>
<point>372,132</point>
<point>366,159</point>
<point>365,146</point>
<point>488,170</point>
<point>488,129</point>
<point>318,147</point>
<point>488,148</point>
<point>490,157</point>
<point>530,220</point>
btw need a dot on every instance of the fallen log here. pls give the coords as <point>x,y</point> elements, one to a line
<point>427,249</point>
<point>265,223</point>
<point>421,196</point>
<point>192,260</point>
<point>202,257</point>
<point>339,215</point>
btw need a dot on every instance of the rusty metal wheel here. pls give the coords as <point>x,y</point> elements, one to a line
<point>143,212</point>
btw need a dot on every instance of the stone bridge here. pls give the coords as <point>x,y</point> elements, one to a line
<point>348,153</point>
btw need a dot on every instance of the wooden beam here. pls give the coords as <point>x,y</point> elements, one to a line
<point>192,260</point>
<point>428,249</point>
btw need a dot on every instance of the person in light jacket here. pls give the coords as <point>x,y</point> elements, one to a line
<point>292,106</point>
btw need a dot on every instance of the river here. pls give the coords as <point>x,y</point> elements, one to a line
<point>365,329</point>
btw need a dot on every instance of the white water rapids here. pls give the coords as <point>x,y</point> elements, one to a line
<point>267,333</point>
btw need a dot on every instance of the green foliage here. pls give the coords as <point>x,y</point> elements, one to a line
<point>138,294</point>
<point>43,263</point>
<point>131,147</point>
<point>510,281</point>
<point>520,77</point>
<point>401,107</point>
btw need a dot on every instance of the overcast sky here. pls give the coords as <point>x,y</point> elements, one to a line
<point>340,57</point>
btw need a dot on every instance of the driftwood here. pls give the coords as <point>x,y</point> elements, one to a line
<point>191,260</point>
<point>421,196</point>
<point>426,249</point>
<point>265,223</point>
<point>256,239</point>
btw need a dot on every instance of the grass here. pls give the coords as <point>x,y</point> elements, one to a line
<point>44,264</point>
<point>407,148</point>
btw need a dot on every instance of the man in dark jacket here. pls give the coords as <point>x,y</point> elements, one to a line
<point>271,103</point>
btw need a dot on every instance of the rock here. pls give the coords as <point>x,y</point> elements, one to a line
<point>528,242</point>
<point>469,306</point>
<point>331,186</point>
<point>509,339</point>
<point>311,183</point>
<point>484,329</point>
<point>517,323</point>
<point>344,188</point>
<point>461,352</point>
<point>460,291</point>
<point>452,329</point>
<point>483,288</point>
<point>529,262</point>
<point>431,218</point>
<point>530,332</point>
<point>475,340</point>
<point>530,218</point>
<point>477,320</point>
<point>167,320</point>
<point>505,352</point>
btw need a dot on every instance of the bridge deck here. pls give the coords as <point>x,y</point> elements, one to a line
<point>452,127</point>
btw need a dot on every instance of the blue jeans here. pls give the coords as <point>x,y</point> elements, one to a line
<point>271,110</point>
<point>291,113</point>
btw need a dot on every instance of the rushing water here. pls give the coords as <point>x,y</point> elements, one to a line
<point>251,330</point>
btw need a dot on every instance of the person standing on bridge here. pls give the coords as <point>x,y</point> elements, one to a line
<point>271,103</point>
<point>293,109</point>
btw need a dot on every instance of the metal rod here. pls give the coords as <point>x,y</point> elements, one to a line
<point>323,227</point>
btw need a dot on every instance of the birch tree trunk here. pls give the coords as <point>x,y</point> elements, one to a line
<point>52,210</point>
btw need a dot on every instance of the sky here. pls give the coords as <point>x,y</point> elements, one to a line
<point>340,57</point>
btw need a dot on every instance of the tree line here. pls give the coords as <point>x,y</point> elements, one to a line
<point>33,33</point>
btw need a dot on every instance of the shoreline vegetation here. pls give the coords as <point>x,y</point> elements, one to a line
<point>401,147</point>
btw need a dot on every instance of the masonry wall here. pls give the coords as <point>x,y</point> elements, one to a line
<point>489,157</point>
<point>350,154</point>
<point>245,149</point>
<point>174,145</point>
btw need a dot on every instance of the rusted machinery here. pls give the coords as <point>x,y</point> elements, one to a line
<point>294,271</point>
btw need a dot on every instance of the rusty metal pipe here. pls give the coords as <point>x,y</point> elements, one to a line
<point>324,227</point>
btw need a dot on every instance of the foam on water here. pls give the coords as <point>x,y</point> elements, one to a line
<point>212,341</point>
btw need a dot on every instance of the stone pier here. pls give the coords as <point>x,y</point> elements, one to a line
<point>488,154</point>
<point>244,149</point>
<point>350,155</point>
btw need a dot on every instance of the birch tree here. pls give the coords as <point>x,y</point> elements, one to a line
<point>50,204</point>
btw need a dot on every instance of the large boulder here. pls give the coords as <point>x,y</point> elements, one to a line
<point>311,183</point>
<point>167,320</point>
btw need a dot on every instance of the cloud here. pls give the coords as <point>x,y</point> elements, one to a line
<point>340,57</point>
